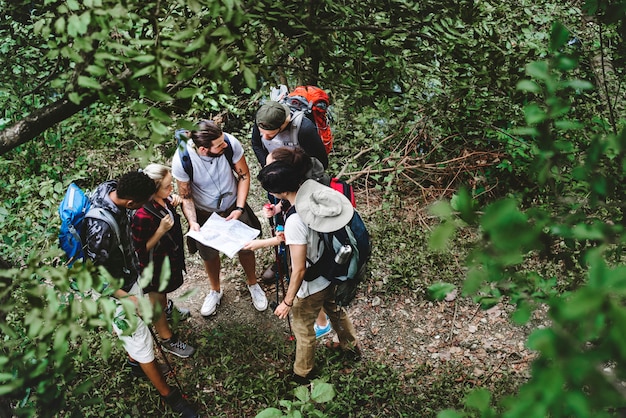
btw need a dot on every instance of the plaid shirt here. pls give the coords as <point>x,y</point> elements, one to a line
<point>144,225</point>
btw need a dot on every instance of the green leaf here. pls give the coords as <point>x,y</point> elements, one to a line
<point>441,235</point>
<point>160,115</point>
<point>88,82</point>
<point>565,125</point>
<point>148,69</point>
<point>59,25</point>
<point>250,78</point>
<point>159,96</point>
<point>322,391</point>
<point>441,209</point>
<point>558,36</point>
<point>144,58</point>
<point>187,93</point>
<point>478,399</point>
<point>269,413</point>
<point>541,340</point>
<point>438,291</point>
<point>522,314</point>
<point>528,85</point>
<point>538,69</point>
<point>534,114</point>
<point>578,84</point>
<point>302,393</point>
<point>473,282</point>
<point>462,201</point>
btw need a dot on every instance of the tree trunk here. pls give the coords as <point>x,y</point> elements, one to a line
<point>48,116</point>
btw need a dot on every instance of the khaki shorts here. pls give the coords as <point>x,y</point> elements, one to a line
<point>208,253</point>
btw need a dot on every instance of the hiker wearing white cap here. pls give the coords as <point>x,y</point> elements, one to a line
<point>315,207</point>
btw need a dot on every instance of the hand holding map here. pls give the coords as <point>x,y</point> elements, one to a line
<point>225,236</point>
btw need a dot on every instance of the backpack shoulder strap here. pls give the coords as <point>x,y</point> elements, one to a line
<point>228,152</point>
<point>183,152</point>
<point>296,123</point>
<point>106,216</point>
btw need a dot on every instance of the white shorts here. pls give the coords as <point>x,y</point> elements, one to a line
<point>139,345</point>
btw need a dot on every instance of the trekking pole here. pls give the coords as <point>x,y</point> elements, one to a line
<point>279,268</point>
<point>167,362</point>
<point>283,268</point>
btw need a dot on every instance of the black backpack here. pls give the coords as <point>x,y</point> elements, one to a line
<point>181,142</point>
<point>352,239</point>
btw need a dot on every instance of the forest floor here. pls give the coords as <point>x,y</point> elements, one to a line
<point>401,331</point>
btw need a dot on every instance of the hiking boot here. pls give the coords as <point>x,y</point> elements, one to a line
<point>259,300</point>
<point>269,275</point>
<point>306,380</point>
<point>299,380</point>
<point>210,303</point>
<point>177,347</point>
<point>321,331</point>
<point>172,311</point>
<point>137,371</point>
<point>178,404</point>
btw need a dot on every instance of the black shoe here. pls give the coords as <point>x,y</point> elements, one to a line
<point>304,381</point>
<point>172,311</point>
<point>137,371</point>
<point>178,404</point>
<point>299,380</point>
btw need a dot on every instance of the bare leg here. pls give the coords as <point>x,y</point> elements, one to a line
<point>154,375</point>
<point>160,324</point>
<point>212,268</point>
<point>248,262</point>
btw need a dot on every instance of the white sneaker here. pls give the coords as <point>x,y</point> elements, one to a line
<point>210,302</point>
<point>258,297</point>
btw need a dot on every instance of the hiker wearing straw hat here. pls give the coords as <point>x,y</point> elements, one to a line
<point>314,208</point>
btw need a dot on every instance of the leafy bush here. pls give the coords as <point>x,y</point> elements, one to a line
<point>582,356</point>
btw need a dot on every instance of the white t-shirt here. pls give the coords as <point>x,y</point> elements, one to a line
<point>297,232</point>
<point>213,179</point>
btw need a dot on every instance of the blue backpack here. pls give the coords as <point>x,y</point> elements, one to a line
<point>181,142</point>
<point>74,208</point>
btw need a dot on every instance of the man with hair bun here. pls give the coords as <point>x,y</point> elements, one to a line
<point>220,183</point>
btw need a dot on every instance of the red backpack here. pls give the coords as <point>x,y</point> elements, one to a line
<point>314,102</point>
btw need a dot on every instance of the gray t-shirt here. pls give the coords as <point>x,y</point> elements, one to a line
<point>214,186</point>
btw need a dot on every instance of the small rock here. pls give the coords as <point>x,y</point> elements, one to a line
<point>472,328</point>
<point>376,301</point>
<point>451,296</point>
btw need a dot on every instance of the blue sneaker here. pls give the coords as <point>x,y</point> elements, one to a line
<point>321,331</point>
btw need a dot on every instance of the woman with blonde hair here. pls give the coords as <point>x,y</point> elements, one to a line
<point>157,234</point>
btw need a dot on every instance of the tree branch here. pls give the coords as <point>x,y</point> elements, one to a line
<point>46,117</point>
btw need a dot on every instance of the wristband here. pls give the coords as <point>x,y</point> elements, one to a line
<point>285,302</point>
<point>239,208</point>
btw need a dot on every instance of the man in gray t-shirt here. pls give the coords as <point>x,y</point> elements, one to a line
<point>220,182</point>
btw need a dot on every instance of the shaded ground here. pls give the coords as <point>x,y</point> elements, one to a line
<point>402,331</point>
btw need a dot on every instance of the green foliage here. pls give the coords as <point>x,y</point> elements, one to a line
<point>304,405</point>
<point>581,177</point>
<point>413,85</point>
<point>46,328</point>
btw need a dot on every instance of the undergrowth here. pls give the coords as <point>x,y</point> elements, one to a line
<point>240,369</point>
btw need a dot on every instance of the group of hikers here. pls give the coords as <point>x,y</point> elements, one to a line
<point>212,176</point>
